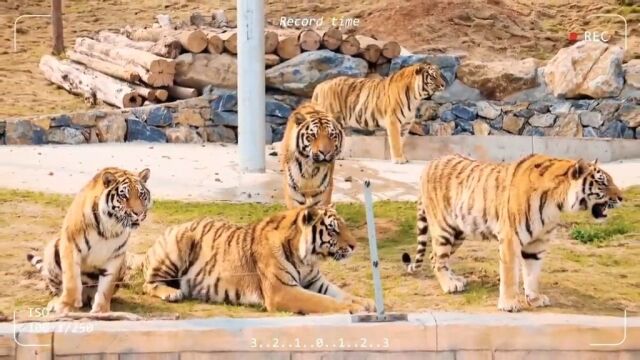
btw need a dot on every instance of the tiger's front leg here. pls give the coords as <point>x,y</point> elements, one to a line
<point>70,264</point>
<point>395,140</point>
<point>509,273</point>
<point>322,286</point>
<point>106,285</point>
<point>532,255</point>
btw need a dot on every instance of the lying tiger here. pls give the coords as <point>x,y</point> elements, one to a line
<point>273,262</point>
<point>518,203</point>
<point>84,263</point>
<point>390,102</point>
<point>311,144</point>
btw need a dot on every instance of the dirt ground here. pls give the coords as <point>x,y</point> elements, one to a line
<point>478,29</point>
<point>578,278</point>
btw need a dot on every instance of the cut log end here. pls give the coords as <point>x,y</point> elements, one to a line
<point>350,46</point>
<point>309,40</point>
<point>270,42</point>
<point>391,49</point>
<point>194,41</point>
<point>215,45</point>
<point>288,48</point>
<point>371,53</point>
<point>332,38</point>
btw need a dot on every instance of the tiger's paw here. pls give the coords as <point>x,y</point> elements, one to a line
<point>354,308</point>
<point>537,300</point>
<point>451,283</point>
<point>173,296</point>
<point>60,307</point>
<point>100,305</point>
<point>509,304</point>
<point>400,160</point>
<point>368,304</point>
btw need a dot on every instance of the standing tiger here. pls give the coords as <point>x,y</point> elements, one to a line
<point>312,141</point>
<point>518,203</point>
<point>85,261</point>
<point>273,262</point>
<point>389,102</point>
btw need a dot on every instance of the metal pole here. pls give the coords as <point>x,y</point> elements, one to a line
<point>251,87</point>
<point>373,249</point>
<point>56,25</point>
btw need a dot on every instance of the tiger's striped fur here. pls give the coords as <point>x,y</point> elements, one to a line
<point>84,262</point>
<point>518,203</point>
<point>273,262</point>
<point>312,141</point>
<point>372,103</point>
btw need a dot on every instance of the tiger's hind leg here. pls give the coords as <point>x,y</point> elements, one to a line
<point>444,244</point>
<point>163,291</point>
<point>422,230</point>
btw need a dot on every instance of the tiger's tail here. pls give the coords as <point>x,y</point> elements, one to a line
<point>422,229</point>
<point>36,261</point>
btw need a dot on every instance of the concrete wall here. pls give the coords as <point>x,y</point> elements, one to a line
<point>423,336</point>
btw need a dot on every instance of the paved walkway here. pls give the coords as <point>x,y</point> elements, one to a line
<point>210,172</point>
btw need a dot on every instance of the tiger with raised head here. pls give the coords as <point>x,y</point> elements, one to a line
<point>85,261</point>
<point>311,143</point>
<point>273,262</point>
<point>518,203</point>
<point>389,102</point>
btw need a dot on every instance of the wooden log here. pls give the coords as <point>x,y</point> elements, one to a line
<point>166,47</point>
<point>370,49</point>
<point>391,49</point>
<point>332,38</point>
<point>288,47</point>
<point>215,44</point>
<point>271,60</point>
<point>191,40</point>
<point>108,68</point>
<point>382,60</point>
<point>199,70</point>
<point>350,45</point>
<point>81,80</point>
<point>181,92</point>
<point>309,40</point>
<point>160,70</point>
<point>155,95</point>
<point>230,39</point>
<point>270,42</point>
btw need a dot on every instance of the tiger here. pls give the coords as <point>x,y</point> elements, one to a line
<point>273,263</point>
<point>388,102</point>
<point>311,143</point>
<point>518,203</point>
<point>84,262</point>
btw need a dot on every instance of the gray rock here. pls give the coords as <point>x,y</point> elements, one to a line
<point>268,134</point>
<point>427,110</point>
<point>539,107</point>
<point>448,64</point>
<point>630,115</point>
<point>464,125</point>
<point>591,118</point>
<point>532,131</point>
<point>19,132</point>
<point>139,131</point>
<point>39,136</point>
<point>561,108</point>
<point>278,109</point>
<point>638,133</point>
<point>496,123</point>
<point>524,113</point>
<point>568,125</point>
<point>220,134</point>
<point>274,120</point>
<point>464,112</point>
<point>513,124</point>
<point>542,120</point>
<point>488,110</point>
<point>3,126</point>
<point>443,108</point>
<point>608,109</point>
<point>301,74</point>
<point>65,135</point>
<point>457,92</point>
<point>481,128</point>
<point>584,104</point>
<point>159,116</point>
<point>111,128</point>
<point>629,133</point>
<point>228,118</point>
<point>60,121</point>
<point>277,133</point>
<point>291,101</point>
<point>589,132</point>
<point>183,134</point>
<point>447,116</point>
<point>227,102</point>
<point>439,128</point>
<point>499,79</point>
<point>614,129</point>
<point>211,91</point>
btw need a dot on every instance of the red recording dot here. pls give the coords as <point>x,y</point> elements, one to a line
<point>573,36</point>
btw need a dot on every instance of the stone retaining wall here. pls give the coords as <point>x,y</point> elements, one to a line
<point>424,336</point>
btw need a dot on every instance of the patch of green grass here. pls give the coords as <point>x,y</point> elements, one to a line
<point>7,195</point>
<point>589,234</point>
<point>628,9</point>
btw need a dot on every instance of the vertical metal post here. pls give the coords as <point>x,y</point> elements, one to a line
<point>251,85</point>
<point>373,249</point>
<point>56,25</point>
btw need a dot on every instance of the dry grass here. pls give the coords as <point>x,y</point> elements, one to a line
<point>599,278</point>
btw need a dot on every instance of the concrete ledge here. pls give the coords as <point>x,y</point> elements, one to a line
<point>494,148</point>
<point>424,335</point>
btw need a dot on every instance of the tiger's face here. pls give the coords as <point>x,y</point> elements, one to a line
<point>329,235</point>
<point>319,136</point>
<point>593,189</point>
<point>430,79</point>
<point>126,196</point>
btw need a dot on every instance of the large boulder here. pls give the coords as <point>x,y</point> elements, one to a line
<point>588,68</point>
<point>66,135</point>
<point>447,64</point>
<point>139,131</point>
<point>301,74</point>
<point>632,73</point>
<point>630,115</point>
<point>496,80</point>
<point>568,126</point>
<point>111,128</point>
<point>183,134</point>
<point>23,132</point>
<point>199,70</point>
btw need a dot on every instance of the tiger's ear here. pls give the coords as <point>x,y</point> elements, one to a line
<point>309,216</point>
<point>298,118</point>
<point>419,69</point>
<point>108,179</point>
<point>578,170</point>
<point>144,175</point>
<point>595,162</point>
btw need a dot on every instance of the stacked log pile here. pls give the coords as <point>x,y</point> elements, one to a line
<point>138,65</point>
